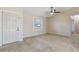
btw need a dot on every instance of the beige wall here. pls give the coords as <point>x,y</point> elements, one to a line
<point>61,23</point>
<point>77,27</point>
<point>28,26</point>
<point>27,22</point>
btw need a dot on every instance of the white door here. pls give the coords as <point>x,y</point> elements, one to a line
<point>12,27</point>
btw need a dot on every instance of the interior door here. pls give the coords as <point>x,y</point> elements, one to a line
<point>12,31</point>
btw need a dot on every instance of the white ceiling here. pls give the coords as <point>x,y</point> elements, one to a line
<point>42,11</point>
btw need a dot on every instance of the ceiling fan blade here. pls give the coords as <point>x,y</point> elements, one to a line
<point>57,12</point>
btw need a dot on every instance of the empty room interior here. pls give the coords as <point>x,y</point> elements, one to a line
<point>39,29</point>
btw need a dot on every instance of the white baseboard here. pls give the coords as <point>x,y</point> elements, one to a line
<point>32,35</point>
<point>0,44</point>
<point>21,40</point>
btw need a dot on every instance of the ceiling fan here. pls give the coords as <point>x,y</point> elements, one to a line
<point>53,11</point>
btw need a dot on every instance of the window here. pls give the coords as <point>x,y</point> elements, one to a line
<point>37,23</point>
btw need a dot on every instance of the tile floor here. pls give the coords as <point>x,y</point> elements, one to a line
<point>44,43</point>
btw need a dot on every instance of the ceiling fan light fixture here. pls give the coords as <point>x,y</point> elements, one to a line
<point>51,13</point>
